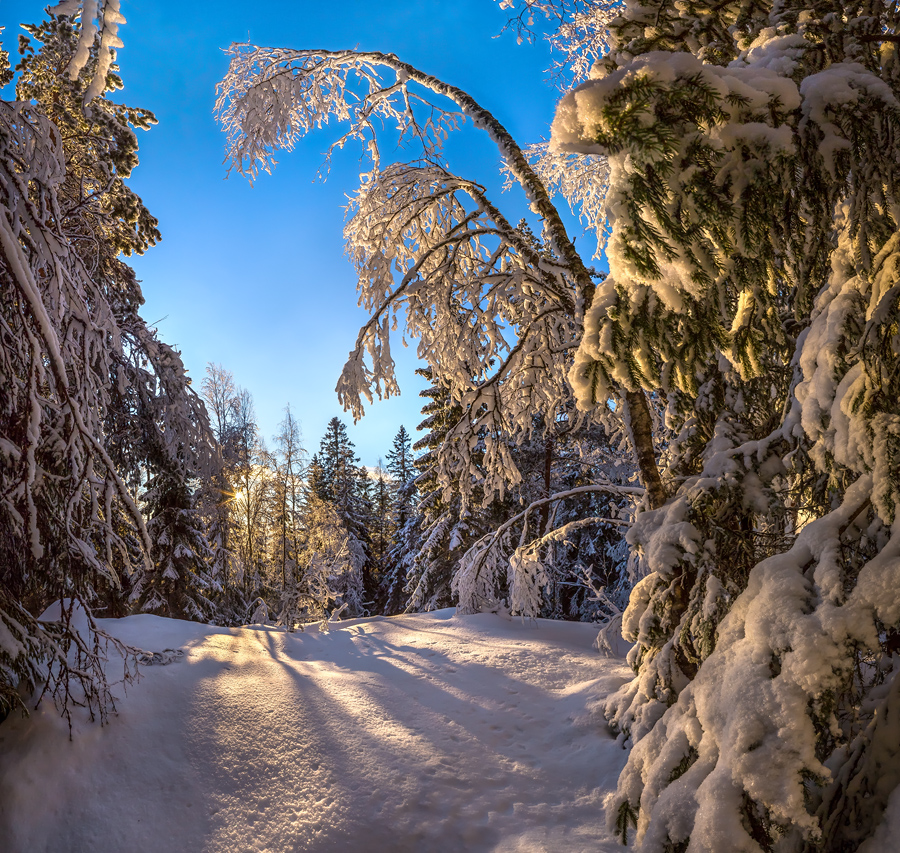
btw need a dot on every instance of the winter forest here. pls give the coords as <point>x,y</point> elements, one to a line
<point>662,400</point>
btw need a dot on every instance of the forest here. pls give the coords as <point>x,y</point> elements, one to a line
<point>689,438</point>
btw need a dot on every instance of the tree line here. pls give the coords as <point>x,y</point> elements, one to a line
<point>274,534</point>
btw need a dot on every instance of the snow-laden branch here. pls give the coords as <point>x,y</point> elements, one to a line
<point>581,179</point>
<point>578,30</point>
<point>475,582</point>
<point>57,296</point>
<point>271,97</point>
<point>101,17</point>
<point>470,284</point>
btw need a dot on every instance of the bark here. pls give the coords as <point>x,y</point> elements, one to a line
<point>641,425</point>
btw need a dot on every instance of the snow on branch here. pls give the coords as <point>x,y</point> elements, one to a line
<point>60,373</point>
<point>476,582</point>
<point>495,311</point>
<point>101,17</point>
<point>578,30</point>
<point>581,179</point>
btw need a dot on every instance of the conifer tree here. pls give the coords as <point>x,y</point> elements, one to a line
<point>180,584</point>
<point>346,486</point>
<point>381,527</point>
<point>435,538</point>
<point>753,169</point>
<point>401,465</point>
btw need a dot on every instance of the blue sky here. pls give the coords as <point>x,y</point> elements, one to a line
<point>254,278</point>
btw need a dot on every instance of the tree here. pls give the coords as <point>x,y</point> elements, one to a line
<point>287,498</point>
<point>433,540</point>
<point>180,584</point>
<point>69,526</point>
<point>219,393</point>
<point>251,484</point>
<point>401,466</point>
<point>330,568</point>
<point>757,276</point>
<point>496,320</point>
<point>339,462</point>
<point>381,524</point>
<point>346,486</point>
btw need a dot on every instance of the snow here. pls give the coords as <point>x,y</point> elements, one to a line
<point>424,732</point>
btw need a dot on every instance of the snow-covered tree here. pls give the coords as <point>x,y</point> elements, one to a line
<point>345,484</point>
<point>398,561</point>
<point>753,280</point>
<point>401,466</point>
<point>251,492</point>
<point>237,495</point>
<point>287,499</point>
<point>329,574</point>
<point>496,318</point>
<point>69,526</point>
<point>381,523</point>
<point>180,584</point>
<point>218,392</point>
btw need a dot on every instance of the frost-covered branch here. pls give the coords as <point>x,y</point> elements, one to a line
<point>581,179</point>
<point>476,580</point>
<point>576,29</point>
<point>494,316</point>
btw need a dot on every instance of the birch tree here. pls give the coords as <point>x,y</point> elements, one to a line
<point>495,318</point>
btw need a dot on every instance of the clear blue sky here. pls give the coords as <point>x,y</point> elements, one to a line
<point>254,278</point>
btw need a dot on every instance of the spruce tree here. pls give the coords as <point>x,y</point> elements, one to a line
<point>401,465</point>
<point>753,268</point>
<point>435,538</point>
<point>181,584</point>
<point>345,485</point>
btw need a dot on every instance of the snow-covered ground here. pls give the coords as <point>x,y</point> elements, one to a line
<point>427,733</point>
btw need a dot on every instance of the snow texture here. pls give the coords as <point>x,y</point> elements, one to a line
<point>429,732</point>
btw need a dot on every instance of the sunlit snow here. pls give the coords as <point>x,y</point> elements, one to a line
<point>428,732</point>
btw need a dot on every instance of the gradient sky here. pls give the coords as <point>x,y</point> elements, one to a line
<point>254,278</point>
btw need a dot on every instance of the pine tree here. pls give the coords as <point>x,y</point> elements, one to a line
<point>401,465</point>
<point>315,479</point>
<point>381,528</point>
<point>346,486</point>
<point>398,560</point>
<point>181,584</point>
<point>337,456</point>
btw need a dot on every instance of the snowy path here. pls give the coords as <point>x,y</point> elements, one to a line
<point>419,733</point>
